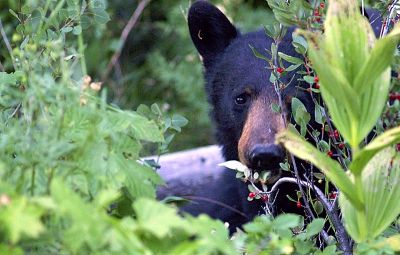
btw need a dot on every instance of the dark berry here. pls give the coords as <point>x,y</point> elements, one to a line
<point>316,85</point>
<point>252,195</point>
<point>341,146</point>
<point>316,13</point>
<point>330,153</point>
<point>264,198</point>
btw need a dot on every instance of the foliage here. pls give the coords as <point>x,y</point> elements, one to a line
<point>71,177</point>
<point>355,93</point>
<point>266,236</point>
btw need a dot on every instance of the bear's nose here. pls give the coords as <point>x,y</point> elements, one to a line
<point>266,156</point>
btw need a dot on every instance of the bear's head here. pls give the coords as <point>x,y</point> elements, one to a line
<point>239,88</point>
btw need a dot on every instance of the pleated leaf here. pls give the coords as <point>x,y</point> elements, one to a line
<point>299,147</point>
<point>381,189</point>
<point>389,137</point>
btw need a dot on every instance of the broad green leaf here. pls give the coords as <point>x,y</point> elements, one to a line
<point>286,221</point>
<point>393,242</point>
<point>354,71</point>
<point>296,145</point>
<point>21,218</point>
<point>100,15</point>
<point>389,137</point>
<point>156,218</point>
<point>381,189</point>
<point>379,60</point>
<point>315,227</point>
<point>8,78</point>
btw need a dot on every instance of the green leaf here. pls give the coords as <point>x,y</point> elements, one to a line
<point>258,54</point>
<point>286,221</point>
<point>309,79</point>
<point>389,137</point>
<point>100,16</point>
<point>318,114</point>
<point>315,227</point>
<point>302,149</point>
<point>8,78</point>
<point>299,111</point>
<point>156,218</point>
<point>290,59</point>
<point>381,190</point>
<point>77,30</point>
<point>178,122</point>
<point>21,218</point>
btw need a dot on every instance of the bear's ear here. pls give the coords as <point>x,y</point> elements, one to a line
<point>210,30</point>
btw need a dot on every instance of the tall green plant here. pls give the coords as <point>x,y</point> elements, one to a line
<point>354,73</point>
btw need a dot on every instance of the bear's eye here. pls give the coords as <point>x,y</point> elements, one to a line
<point>241,99</point>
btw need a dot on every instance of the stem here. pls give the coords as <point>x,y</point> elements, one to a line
<point>56,10</point>
<point>7,43</point>
<point>127,29</point>
<point>33,182</point>
<point>361,217</point>
<point>81,48</point>
<point>46,8</point>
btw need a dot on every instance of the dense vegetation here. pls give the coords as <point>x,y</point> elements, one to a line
<point>71,178</point>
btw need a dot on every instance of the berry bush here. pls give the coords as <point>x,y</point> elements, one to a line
<point>72,180</point>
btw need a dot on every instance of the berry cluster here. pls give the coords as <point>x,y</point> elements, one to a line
<point>394,96</point>
<point>263,197</point>
<point>317,13</point>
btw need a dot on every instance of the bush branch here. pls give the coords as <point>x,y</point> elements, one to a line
<point>129,26</point>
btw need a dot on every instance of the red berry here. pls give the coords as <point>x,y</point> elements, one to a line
<point>398,147</point>
<point>316,13</point>
<point>252,195</point>
<point>264,198</point>
<point>336,133</point>
<point>298,204</point>
<point>316,85</point>
<point>332,195</point>
<point>322,5</point>
<point>330,153</point>
<point>394,96</point>
<point>280,70</point>
<point>341,146</point>
<point>318,19</point>
<point>316,79</point>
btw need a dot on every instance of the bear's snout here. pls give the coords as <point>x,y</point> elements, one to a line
<point>265,156</point>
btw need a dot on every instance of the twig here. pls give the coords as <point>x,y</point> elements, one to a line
<point>342,237</point>
<point>7,43</point>
<point>331,211</point>
<point>205,199</point>
<point>386,21</point>
<point>129,26</point>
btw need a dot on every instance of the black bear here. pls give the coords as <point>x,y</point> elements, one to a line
<point>240,95</point>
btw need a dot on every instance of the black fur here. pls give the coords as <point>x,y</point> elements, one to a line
<point>230,68</point>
